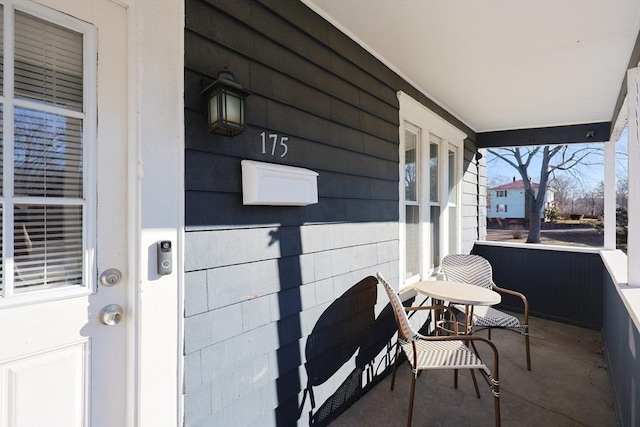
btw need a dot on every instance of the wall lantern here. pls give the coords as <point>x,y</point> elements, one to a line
<point>225,101</point>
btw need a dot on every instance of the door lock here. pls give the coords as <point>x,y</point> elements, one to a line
<point>111,315</point>
<point>111,277</point>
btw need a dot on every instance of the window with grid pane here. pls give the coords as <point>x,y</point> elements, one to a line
<point>42,173</point>
<point>412,203</point>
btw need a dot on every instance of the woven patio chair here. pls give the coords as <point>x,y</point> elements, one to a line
<point>477,270</point>
<point>439,352</point>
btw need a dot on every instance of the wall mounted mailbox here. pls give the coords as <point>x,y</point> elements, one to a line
<point>278,185</point>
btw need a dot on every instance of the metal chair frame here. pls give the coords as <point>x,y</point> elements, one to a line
<point>477,270</point>
<point>440,352</point>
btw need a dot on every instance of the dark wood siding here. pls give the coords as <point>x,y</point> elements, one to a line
<point>622,346</point>
<point>265,284</point>
<point>560,285</point>
<point>334,101</point>
<point>340,117</point>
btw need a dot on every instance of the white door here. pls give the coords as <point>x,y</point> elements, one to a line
<point>63,213</point>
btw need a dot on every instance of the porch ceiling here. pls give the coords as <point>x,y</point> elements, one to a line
<point>501,65</point>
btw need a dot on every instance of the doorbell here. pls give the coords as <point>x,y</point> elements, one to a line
<point>164,257</point>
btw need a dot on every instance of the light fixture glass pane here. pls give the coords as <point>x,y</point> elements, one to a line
<point>213,109</point>
<point>48,63</point>
<point>232,113</point>
<point>410,167</point>
<point>47,155</point>
<point>412,238</point>
<point>47,246</point>
<point>434,185</point>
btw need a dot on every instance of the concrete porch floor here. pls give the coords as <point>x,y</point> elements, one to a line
<point>568,385</point>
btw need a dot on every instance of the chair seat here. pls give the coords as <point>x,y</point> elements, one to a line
<point>443,355</point>
<point>489,316</point>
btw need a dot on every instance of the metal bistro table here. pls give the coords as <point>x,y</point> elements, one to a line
<point>459,293</point>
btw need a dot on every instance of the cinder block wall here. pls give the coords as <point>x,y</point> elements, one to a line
<point>283,323</point>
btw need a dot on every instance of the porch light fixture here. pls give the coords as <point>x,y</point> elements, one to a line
<point>225,101</point>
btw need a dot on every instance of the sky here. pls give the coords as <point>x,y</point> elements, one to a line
<point>589,175</point>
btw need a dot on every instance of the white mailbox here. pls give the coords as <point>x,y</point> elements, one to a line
<point>278,185</point>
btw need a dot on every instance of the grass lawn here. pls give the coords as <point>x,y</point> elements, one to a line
<point>563,232</point>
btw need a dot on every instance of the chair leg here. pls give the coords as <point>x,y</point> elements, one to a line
<point>475,383</point>
<point>489,333</point>
<point>413,391</point>
<point>304,399</point>
<point>312,397</point>
<point>455,378</point>
<point>526,343</point>
<point>395,365</point>
<point>496,405</point>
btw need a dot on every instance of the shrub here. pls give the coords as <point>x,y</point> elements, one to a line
<point>622,231</point>
<point>552,213</point>
<point>516,231</point>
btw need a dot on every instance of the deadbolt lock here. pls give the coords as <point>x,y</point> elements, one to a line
<point>111,277</point>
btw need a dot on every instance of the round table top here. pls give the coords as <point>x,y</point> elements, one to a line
<point>456,292</point>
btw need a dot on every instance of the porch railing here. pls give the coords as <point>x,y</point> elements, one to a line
<point>564,286</point>
<point>576,287</point>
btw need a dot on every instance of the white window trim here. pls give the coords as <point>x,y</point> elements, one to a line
<point>89,123</point>
<point>458,149</point>
<point>415,113</point>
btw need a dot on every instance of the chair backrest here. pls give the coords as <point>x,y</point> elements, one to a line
<point>471,269</point>
<point>404,326</point>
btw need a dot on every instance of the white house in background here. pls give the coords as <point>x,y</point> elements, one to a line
<point>507,201</point>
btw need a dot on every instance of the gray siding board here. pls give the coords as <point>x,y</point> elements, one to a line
<point>471,223</point>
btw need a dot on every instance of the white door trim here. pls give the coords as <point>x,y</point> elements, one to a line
<point>156,209</point>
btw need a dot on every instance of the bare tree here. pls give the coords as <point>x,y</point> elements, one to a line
<point>496,180</point>
<point>622,193</point>
<point>565,193</point>
<point>553,159</point>
<point>595,200</point>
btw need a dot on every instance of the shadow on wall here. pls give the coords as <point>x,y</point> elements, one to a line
<point>348,326</point>
<point>348,334</point>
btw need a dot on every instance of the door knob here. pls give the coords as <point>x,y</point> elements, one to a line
<point>111,314</point>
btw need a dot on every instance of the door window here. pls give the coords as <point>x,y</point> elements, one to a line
<point>45,125</point>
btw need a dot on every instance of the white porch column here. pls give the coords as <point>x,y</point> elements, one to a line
<point>610,195</point>
<point>633,251</point>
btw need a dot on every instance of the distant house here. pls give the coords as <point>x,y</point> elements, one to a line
<point>507,201</point>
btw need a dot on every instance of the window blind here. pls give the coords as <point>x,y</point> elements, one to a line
<point>48,62</point>
<point>44,205</point>
<point>48,155</point>
<point>47,246</point>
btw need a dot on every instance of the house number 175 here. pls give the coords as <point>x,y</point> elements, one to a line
<point>273,145</point>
